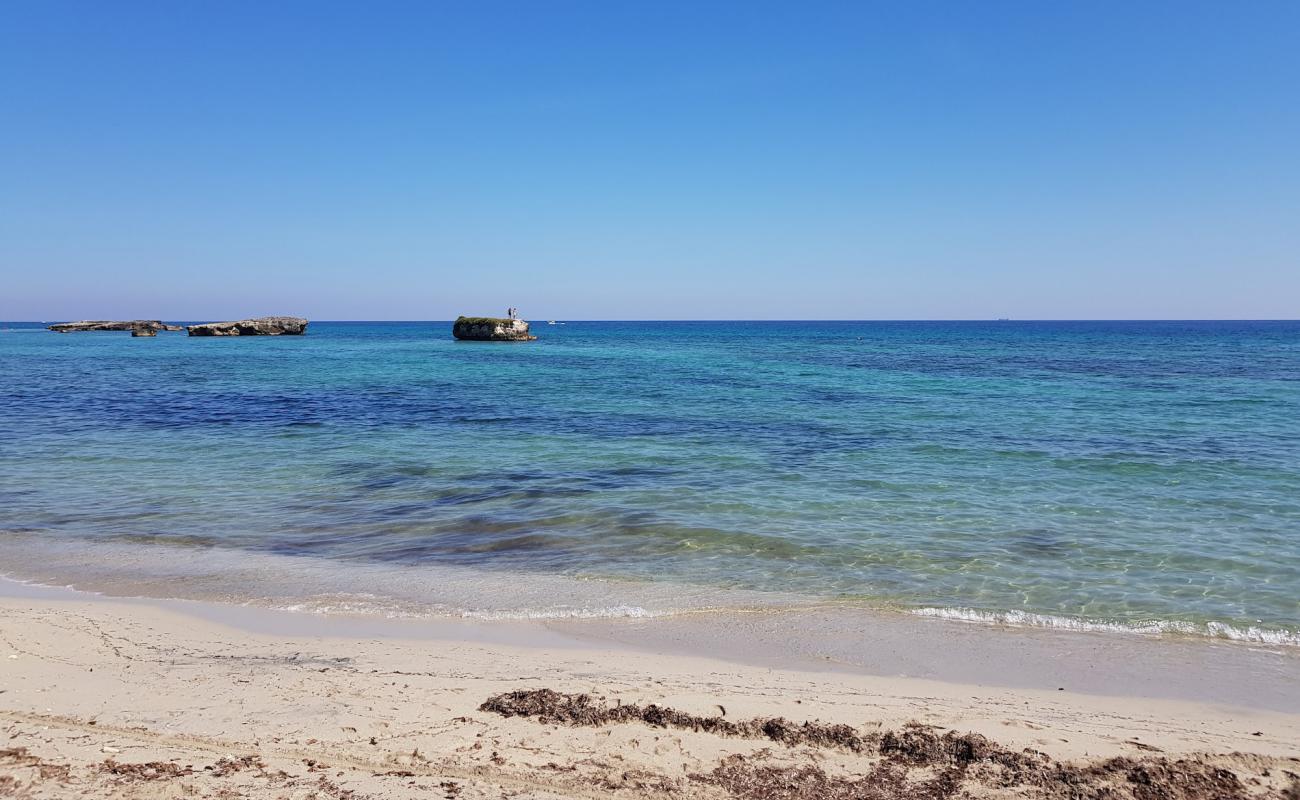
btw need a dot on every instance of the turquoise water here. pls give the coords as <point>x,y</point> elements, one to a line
<point>1127,475</point>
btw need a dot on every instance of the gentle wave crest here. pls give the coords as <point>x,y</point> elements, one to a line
<point>375,606</point>
<point>1024,619</point>
<point>610,612</point>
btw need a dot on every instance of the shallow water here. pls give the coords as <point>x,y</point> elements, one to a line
<point>1093,475</point>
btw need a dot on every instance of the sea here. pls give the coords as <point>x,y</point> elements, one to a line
<point>1126,477</point>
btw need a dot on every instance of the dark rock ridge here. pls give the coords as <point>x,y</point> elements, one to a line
<point>491,329</point>
<point>143,332</point>
<point>262,326</point>
<point>113,325</point>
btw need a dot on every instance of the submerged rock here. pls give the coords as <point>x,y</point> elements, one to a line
<point>112,325</point>
<point>491,329</point>
<point>262,326</point>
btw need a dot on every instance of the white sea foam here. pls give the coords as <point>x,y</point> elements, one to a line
<point>387,608</point>
<point>321,587</point>
<point>608,612</point>
<point>361,604</point>
<point>1156,627</point>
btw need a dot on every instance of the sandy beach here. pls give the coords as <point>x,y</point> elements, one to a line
<point>131,699</point>
<point>649,401</point>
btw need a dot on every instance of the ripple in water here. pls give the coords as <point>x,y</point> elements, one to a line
<point>1100,476</point>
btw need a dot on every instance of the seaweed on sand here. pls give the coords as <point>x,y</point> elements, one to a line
<point>915,762</point>
<point>147,771</point>
<point>583,710</point>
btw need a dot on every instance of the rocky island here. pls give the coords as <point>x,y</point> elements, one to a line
<point>262,326</point>
<point>491,329</point>
<point>114,325</point>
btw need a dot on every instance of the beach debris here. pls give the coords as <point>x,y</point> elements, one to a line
<point>491,329</point>
<point>148,771</point>
<point>743,778</point>
<point>229,765</point>
<point>550,706</point>
<point>14,758</point>
<point>931,775</point>
<point>261,326</point>
<point>915,762</point>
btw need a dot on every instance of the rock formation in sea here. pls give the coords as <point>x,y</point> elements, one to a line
<point>143,332</point>
<point>491,329</point>
<point>113,325</point>
<point>262,326</point>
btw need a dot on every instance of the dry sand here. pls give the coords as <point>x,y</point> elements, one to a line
<point>101,698</point>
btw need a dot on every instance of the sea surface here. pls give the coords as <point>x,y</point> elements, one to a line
<point>1126,476</point>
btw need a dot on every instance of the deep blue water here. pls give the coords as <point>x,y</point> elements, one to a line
<point>1094,473</point>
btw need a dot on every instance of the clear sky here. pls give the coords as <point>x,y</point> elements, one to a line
<point>650,160</point>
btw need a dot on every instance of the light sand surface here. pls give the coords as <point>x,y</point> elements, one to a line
<point>101,698</point>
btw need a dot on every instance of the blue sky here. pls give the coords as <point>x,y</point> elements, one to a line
<point>656,160</point>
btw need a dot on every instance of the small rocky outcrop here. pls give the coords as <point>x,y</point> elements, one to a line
<point>143,332</point>
<point>491,329</point>
<point>113,325</point>
<point>262,326</point>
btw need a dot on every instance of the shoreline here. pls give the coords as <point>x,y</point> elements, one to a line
<point>395,716</point>
<point>297,582</point>
<point>828,638</point>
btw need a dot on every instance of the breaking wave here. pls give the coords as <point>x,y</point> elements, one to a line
<point>1253,634</point>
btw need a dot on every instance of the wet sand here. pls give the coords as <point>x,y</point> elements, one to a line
<point>142,699</point>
